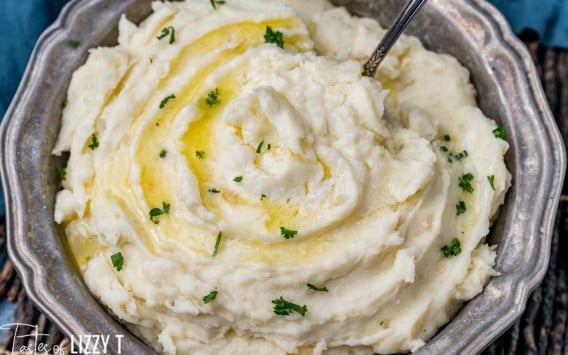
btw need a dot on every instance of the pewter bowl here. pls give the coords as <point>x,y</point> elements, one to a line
<point>473,31</point>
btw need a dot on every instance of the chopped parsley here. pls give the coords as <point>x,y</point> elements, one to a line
<point>275,37</point>
<point>262,197</point>
<point>163,153</point>
<point>165,101</point>
<point>452,249</point>
<point>61,171</point>
<point>491,180</point>
<point>117,261</point>
<point>94,142</point>
<point>64,103</point>
<point>238,179</point>
<point>465,182</point>
<point>460,208</point>
<point>214,3</point>
<point>288,233</point>
<point>209,297</point>
<point>259,147</point>
<point>461,156</point>
<point>200,154</point>
<point>444,149</point>
<point>284,308</point>
<point>500,132</point>
<point>447,138</point>
<point>213,98</point>
<point>217,242</point>
<point>168,31</point>
<point>315,288</point>
<point>269,146</point>
<point>214,190</point>
<point>156,212</point>
<point>74,44</point>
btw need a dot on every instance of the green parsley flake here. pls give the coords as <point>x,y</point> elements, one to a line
<point>238,179</point>
<point>214,190</point>
<point>74,44</point>
<point>461,156</point>
<point>61,171</point>
<point>262,197</point>
<point>217,242</point>
<point>269,146</point>
<point>213,98</point>
<point>163,153</point>
<point>214,3</point>
<point>156,212</point>
<point>315,288</point>
<point>452,249</point>
<point>447,138</point>
<point>460,208</point>
<point>117,261</point>
<point>165,101</point>
<point>168,31</point>
<point>465,182</point>
<point>259,147</point>
<point>288,233</point>
<point>275,37</point>
<point>491,180</point>
<point>444,149</point>
<point>209,297</point>
<point>500,132</point>
<point>200,154</point>
<point>94,142</point>
<point>284,308</point>
<point>64,103</point>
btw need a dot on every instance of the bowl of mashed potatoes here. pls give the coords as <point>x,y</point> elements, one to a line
<point>218,177</point>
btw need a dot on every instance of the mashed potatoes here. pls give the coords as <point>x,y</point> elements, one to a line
<point>227,195</point>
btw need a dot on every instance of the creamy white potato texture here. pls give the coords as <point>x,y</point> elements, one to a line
<point>234,185</point>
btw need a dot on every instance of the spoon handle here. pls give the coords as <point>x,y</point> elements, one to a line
<point>400,23</point>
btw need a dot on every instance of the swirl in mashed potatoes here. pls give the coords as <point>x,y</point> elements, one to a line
<point>226,195</point>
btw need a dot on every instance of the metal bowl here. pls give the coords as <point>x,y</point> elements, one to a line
<point>473,31</point>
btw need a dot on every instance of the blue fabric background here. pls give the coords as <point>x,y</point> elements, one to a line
<point>549,18</point>
<point>22,21</point>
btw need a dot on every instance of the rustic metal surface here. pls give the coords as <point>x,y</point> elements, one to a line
<point>543,327</point>
<point>508,91</point>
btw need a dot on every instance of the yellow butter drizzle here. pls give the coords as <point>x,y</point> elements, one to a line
<point>247,34</point>
<point>154,181</point>
<point>198,138</point>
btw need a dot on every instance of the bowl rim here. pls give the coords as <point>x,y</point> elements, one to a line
<point>34,277</point>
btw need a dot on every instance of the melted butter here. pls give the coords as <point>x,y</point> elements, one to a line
<point>198,137</point>
<point>287,252</point>
<point>281,215</point>
<point>325,168</point>
<point>247,35</point>
<point>83,249</point>
<point>154,181</point>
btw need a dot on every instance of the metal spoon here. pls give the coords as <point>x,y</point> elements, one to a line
<point>400,23</point>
